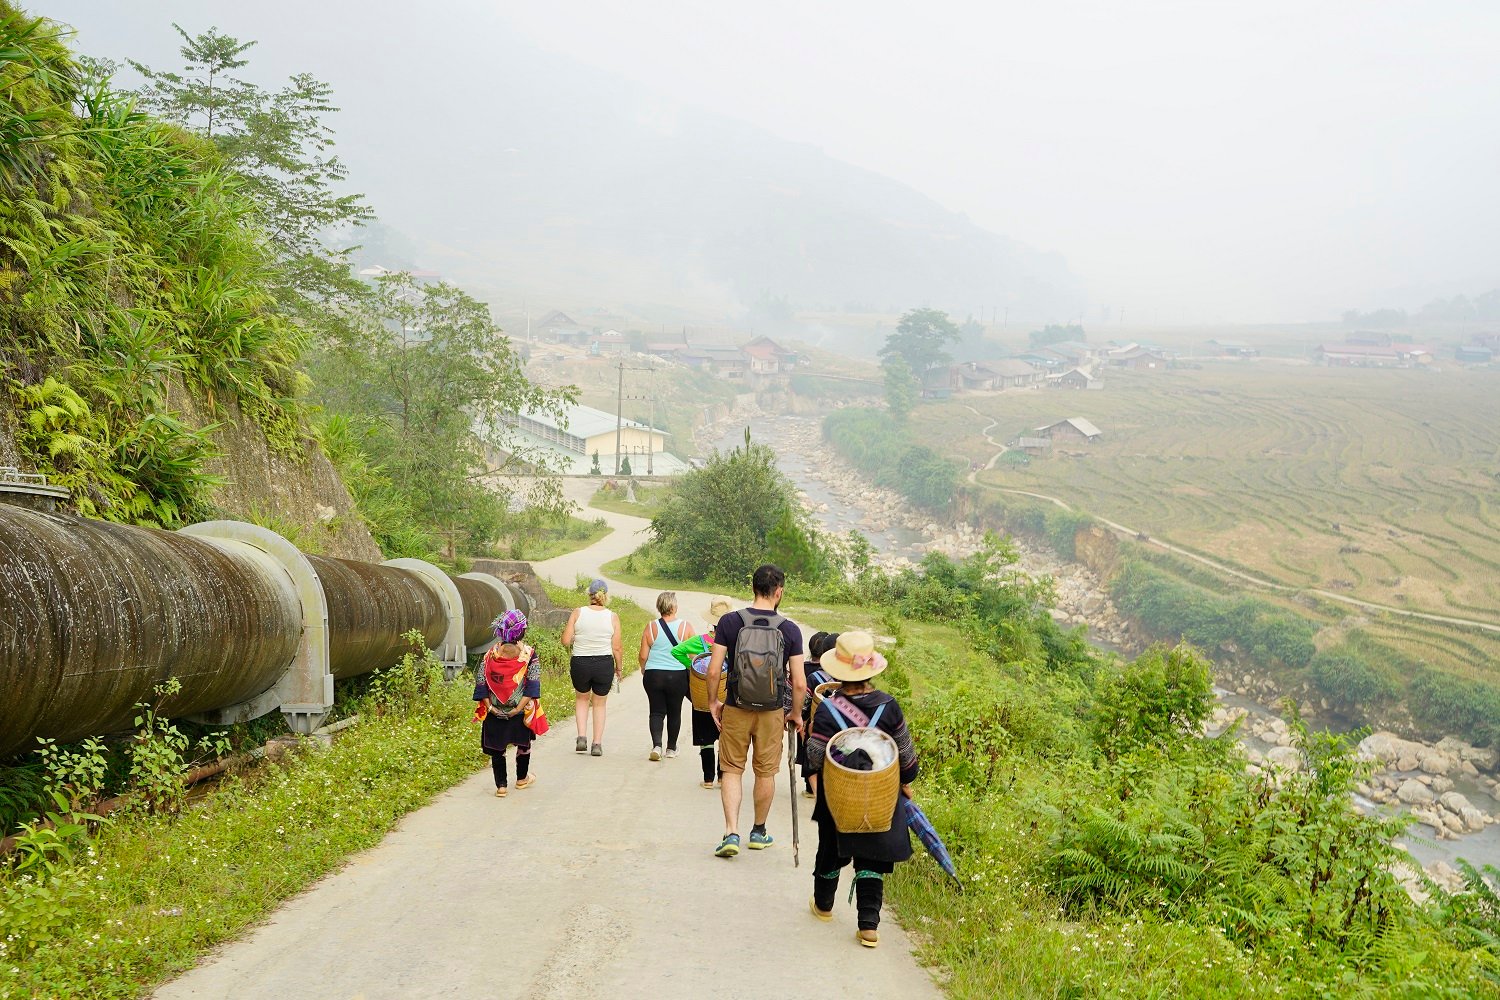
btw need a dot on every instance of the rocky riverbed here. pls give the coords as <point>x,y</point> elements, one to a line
<point>1449,788</point>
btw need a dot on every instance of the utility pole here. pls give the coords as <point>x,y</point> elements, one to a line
<point>619,415</point>
<point>651,428</point>
<point>620,412</point>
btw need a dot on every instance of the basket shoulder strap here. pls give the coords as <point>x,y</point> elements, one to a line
<point>838,719</point>
<point>850,710</point>
<point>878,713</point>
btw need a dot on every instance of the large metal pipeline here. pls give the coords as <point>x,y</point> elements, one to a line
<point>483,603</point>
<point>370,608</point>
<point>93,615</point>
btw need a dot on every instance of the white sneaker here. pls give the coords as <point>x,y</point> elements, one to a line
<point>656,753</point>
<point>671,754</point>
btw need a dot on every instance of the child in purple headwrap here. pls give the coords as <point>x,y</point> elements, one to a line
<point>508,690</point>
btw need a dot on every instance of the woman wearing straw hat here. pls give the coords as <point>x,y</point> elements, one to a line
<point>853,662</point>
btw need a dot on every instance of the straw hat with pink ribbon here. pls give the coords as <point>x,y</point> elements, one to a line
<point>853,658</point>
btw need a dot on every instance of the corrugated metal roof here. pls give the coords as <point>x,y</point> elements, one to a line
<point>583,421</point>
<point>1080,424</point>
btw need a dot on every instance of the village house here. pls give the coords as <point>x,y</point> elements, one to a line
<point>1137,357</point>
<point>937,383</point>
<point>1071,429</point>
<point>1349,355</point>
<point>768,357</point>
<point>1007,373</point>
<point>611,343</point>
<point>1474,353</point>
<point>1075,378</point>
<point>1034,445</point>
<point>725,362</point>
<point>559,328</point>
<point>1233,349</point>
<point>670,352</point>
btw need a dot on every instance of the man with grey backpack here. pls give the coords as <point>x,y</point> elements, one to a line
<point>762,651</point>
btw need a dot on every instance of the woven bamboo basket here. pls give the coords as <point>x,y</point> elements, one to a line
<point>698,688</point>
<point>822,691</point>
<point>861,801</point>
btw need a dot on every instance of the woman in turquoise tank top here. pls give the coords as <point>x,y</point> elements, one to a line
<point>665,679</point>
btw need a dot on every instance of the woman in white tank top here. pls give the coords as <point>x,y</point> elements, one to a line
<point>593,632</point>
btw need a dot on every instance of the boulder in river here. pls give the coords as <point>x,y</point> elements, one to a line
<point>1284,758</point>
<point>1413,792</point>
<point>1388,748</point>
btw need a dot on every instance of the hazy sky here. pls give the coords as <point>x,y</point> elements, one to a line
<point>1192,160</point>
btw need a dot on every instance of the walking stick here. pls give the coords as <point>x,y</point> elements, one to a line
<point>791,784</point>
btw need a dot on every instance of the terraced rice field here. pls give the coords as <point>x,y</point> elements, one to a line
<point>1383,485</point>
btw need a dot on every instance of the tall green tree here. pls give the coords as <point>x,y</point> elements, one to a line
<point>425,378</point>
<point>737,512</point>
<point>901,387</point>
<point>279,142</point>
<point>921,339</point>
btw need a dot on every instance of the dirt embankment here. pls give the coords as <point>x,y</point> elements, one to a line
<point>300,497</point>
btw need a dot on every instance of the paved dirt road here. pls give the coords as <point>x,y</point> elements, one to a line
<point>597,881</point>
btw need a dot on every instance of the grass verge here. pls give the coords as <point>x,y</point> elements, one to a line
<point>570,535</point>
<point>648,500</point>
<point>155,892</point>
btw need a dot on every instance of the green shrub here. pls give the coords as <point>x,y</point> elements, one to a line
<point>1349,680</point>
<point>1160,699</point>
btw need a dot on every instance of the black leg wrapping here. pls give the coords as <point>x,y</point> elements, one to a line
<point>869,896</point>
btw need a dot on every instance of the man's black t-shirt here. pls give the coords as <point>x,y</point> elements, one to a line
<point>727,631</point>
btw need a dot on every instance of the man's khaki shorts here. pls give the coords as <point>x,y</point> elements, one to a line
<point>741,730</point>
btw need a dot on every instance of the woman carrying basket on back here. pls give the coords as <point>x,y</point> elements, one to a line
<point>856,703</point>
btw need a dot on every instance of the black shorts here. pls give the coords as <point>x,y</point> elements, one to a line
<point>592,673</point>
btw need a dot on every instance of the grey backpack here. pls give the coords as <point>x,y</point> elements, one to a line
<point>759,661</point>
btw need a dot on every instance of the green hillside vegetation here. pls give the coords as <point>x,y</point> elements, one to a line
<point>130,274</point>
<point>164,279</point>
<point>1108,849</point>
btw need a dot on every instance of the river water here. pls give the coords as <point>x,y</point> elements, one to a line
<point>798,458</point>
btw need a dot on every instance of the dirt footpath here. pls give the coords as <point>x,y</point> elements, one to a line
<point>597,881</point>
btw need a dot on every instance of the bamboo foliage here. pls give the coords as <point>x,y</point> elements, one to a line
<point>130,261</point>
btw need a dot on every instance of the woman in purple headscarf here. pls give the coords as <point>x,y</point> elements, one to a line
<point>507,691</point>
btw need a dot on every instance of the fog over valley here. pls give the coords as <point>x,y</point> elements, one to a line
<point>1161,163</point>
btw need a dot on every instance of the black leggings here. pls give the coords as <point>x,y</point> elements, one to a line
<point>869,878</point>
<point>523,764</point>
<point>665,691</point>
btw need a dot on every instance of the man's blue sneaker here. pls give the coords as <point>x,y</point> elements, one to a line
<point>729,846</point>
<point>760,841</point>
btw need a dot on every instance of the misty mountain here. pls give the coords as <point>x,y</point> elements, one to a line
<point>574,188</point>
<point>524,173</point>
